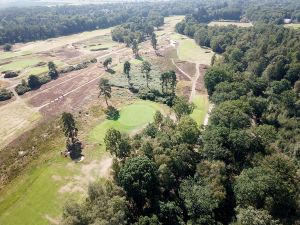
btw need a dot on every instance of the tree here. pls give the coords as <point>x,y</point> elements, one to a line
<point>135,48</point>
<point>158,118</point>
<point>188,130</point>
<point>117,144</point>
<point>252,216</point>
<point>105,204</point>
<point>214,76</point>
<point>52,70</point>
<point>181,107</point>
<point>154,41</point>
<point>138,177</point>
<point>34,82</point>
<point>173,80</point>
<point>107,62</point>
<point>74,146</point>
<point>7,47</point>
<point>105,89</point>
<point>126,70</point>
<point>146,68</point>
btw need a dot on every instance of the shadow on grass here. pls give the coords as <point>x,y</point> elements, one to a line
<point>111,71</point>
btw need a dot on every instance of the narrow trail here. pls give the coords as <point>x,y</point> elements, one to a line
<point>184,73</point>
<point>194,82</point>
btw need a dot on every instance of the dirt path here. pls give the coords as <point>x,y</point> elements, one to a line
<point>194,83</point>
<point>184,73</point>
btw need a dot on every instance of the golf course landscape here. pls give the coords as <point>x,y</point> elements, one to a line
<point>38,193</point>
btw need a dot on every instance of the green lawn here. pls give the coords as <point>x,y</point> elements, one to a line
<point>8,55</point>
<point>20,64</point>
<point>227,23</point>
<point>132,117</point>
<point>102,46</point>
<point>188,50</point>
<point>202,104</point>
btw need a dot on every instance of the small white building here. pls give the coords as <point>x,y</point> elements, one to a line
<point>287,21</point>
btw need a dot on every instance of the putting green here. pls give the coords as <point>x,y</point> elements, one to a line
<point>132,117</point>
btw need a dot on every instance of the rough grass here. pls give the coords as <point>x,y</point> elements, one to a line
<point>227,23</point>
<point>102,46</point>
<point>201,108</point>
<point>188,50</point>
<point>15,118</point>
<point>12,54</point>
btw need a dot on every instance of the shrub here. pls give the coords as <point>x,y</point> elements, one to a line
<point>5,94</point>
<point>34,82</point>
<point>7,47</point>
<point>112,113</point>
<point>44,79</point>
<point>22,89</point>
<point>10,74</point>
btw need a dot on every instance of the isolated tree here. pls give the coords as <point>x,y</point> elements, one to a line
<point>172,80</point>
<point>154,41</point>
<point>107,62</point>
<point>126,70</point>
<point>181,107</point>
<point>74,146</point>
<point>135,48</point>
<point>146,68</point>
<point>117,144</point>
<point>105,89</point>
<point>164,78</point>
<point>52,70</point>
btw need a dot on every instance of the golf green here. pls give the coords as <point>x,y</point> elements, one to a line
<point>133,116</point>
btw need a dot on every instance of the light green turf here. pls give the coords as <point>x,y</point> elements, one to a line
<point>132,117</point>
<point>201,108</point>
<point>177,37</point>
<point>41,69</point>
<point>188,50</point>
<point>105,45</point>
<point>293,25</point>
<point>20,64</point>
<point>8,55</point>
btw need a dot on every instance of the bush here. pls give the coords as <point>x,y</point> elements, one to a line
<point>112,113</point>
<point>44,79</point>
<point>34,82</point>
<point>7,47</point>
<point>21,89</point>
<point>10,74</point>
<point>5,94</point>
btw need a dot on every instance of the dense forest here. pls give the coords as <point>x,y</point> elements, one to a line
<point>35,23</point>
<point>241,169</point>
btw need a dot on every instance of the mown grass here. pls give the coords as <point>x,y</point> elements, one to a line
<point>132,117</point>
<point>12,54</point>
<point>20,64</point>
<point>188,50</point>
<point>293,25</point>
<point>201,108</point>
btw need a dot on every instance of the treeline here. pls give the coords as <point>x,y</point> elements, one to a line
<point>29,24</point>
<point>137,28</point>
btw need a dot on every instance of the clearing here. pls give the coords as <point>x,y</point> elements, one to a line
<point>227,23</point>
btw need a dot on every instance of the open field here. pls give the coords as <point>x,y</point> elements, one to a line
<point>16,117</point>
<point>37,197</point>
<point>293,25</point>
<point>227,23</point>
<point>20,64</point>
<point>188,50</point>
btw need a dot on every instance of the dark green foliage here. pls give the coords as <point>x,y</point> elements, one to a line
<point>104,89</point>
<point>112,113</point>
<point>107,62</point>
<point>5,94</point>
<point>105,204</point>
<point>117,144</point>
<point>214,76</point>
<point>182,107</point>
<point>10,74</point>
<point>7,47</point>
<point>138,177</point>
<point>22,88</point>
<point>34,82</point>
<point>52,70</point>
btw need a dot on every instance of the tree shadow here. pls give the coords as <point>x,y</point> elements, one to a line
<point>111,71</point>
